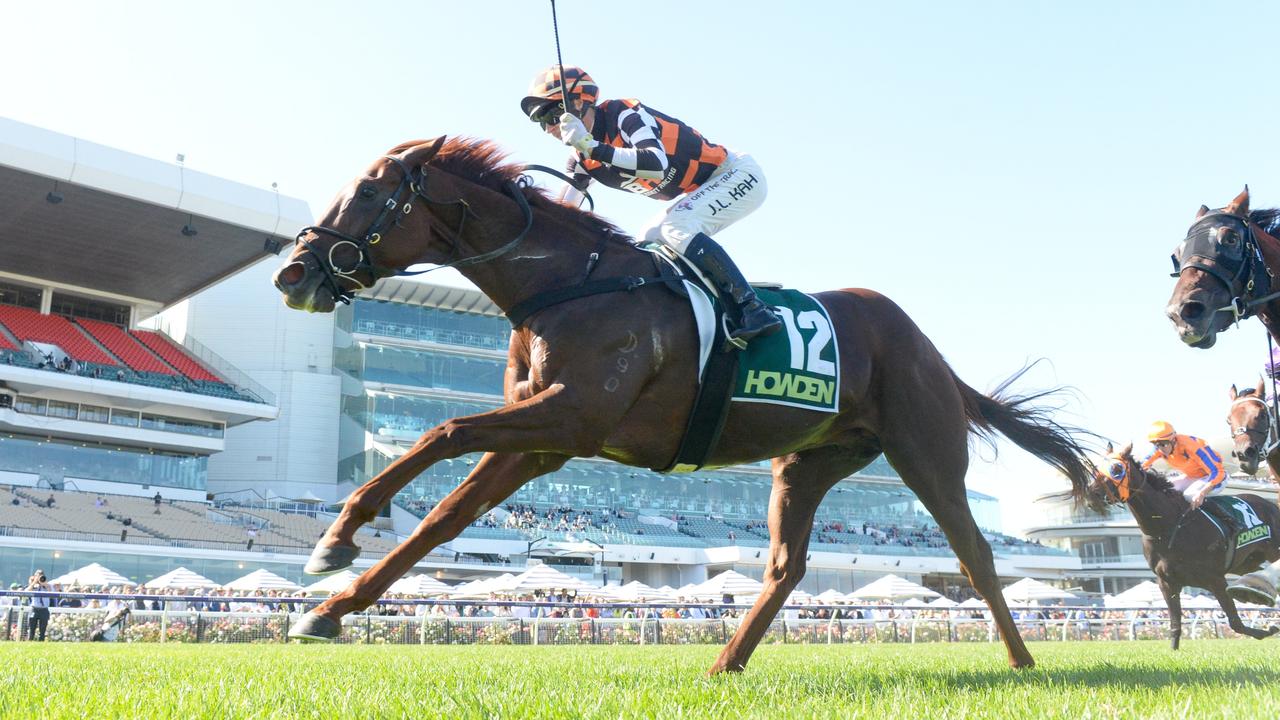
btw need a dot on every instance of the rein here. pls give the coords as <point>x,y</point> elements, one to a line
<point>395,208</point>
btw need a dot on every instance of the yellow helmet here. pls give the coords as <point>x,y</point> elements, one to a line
<point>1160,430</point>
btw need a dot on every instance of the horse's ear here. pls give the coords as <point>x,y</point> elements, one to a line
<point>1126,450</point>
<point>1262,389</point>
<point>1204,210</point>
<point>1240,205</point>
<point>421,154</point>
<point>1110,448</point>
<point>1233,392</point>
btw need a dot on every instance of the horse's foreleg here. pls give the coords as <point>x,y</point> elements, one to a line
<point>492,480</point>
<point>1219,591</point>
<point>1172,599</point>
<point>546,422</point>
<point>799,483</point>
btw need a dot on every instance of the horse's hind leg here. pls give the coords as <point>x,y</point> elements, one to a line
<point>929,448</point>
<point>492,480</point>
<point>800,480</point>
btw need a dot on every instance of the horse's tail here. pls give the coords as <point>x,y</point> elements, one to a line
<point>1030,428</point>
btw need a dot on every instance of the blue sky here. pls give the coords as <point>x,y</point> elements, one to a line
<point>1013,174</point>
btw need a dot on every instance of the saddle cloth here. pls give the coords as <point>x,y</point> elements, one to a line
<point>1243,527</point>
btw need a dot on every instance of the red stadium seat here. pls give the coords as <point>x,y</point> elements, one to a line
<point>27,324</point>
<point>174,355</point>
<point>124,346</point>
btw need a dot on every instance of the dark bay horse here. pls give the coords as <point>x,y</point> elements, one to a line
<point>1183,547</point>
<point>613,375</point>
<point>1226,269</point>
<point>1251,426</point>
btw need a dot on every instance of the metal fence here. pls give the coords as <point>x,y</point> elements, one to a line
<point>913,626</point>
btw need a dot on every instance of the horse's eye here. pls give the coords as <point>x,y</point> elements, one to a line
<point>368,192</point>
<point>1229,239</point>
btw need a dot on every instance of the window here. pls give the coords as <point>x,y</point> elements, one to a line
<point>126,418</point>
<point>60,409</point>
<point>30,405</point>
<point>94,413</point>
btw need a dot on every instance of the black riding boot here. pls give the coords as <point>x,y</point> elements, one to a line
<point>751,316</point>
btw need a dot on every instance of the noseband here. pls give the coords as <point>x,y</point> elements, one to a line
<point>392,210</point>
<point>1240,267</point>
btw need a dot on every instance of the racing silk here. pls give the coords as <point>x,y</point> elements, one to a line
<point>1192,457</point>
<point>644,151</point>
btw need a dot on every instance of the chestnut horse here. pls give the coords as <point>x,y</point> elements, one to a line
<point>614,374</point>
<point>1226,268</point>
<point>1183,547</point>
<point>1252,426</point>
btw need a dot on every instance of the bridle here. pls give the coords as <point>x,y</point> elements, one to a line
<point>1269,431</point>
<point>393,209</point>
<point>1118,475</point>
<point>1239,267</point>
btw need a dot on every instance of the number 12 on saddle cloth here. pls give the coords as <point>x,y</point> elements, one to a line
<point>798,367</point>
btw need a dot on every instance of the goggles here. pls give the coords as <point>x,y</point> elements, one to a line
<point>548,114</point>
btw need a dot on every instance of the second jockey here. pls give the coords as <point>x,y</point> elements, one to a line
<point>629,146</point>
<point>1201,467</point>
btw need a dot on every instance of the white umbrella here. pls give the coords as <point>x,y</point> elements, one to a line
<point>92,575</point>
<point>729,582</point>
<point>1144,593</point>
<point>1029,589</point>
<point>891,587</point>
<point>799,597</point>
<point>1197,602</point>
<point>831,595</point>
<point>331,584</point>
<point>973,602</point>
<point>914,602</point>
<point>262,580</point>
<point>419,586</point>
<point>541,577</point>
<point>481,587</point>
<point>182,579</point>
<point>943,602</point>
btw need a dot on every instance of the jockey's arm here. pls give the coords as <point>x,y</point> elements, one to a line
<point>642,153</point>
<point>571,195</point>
<point>1151,459</point>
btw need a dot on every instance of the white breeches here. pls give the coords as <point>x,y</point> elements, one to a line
<point>1190,488</point>
<point>734,192</point>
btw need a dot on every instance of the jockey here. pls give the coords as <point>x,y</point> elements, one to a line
<point>633,147</point>
<point>1201,467</point>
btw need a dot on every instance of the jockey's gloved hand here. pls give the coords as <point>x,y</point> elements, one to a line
<point>574,134</point>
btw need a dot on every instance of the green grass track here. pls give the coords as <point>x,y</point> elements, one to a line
<point>1206,679</point>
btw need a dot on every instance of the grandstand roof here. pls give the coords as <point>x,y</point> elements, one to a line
<point>418,292</point>
<point>118,224</point>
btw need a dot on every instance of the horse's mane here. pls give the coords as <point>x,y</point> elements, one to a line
<point>1265,218</point>
<point>484,163</point>
<point>1158,481</point>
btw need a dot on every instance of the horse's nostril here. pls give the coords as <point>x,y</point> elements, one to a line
<point>290,275</point>
<point>1250,453</point>
<point>1191,310</point>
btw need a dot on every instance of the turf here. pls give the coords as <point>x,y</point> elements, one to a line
<point>1206,679</point>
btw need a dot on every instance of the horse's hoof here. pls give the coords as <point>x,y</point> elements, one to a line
<point>315,628</point>
<point>329,559</point>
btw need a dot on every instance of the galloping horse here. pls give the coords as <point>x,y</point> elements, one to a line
<point>614,374</point>
<point>1225,269</point>
<point>1183,547</point>
<point>1252,426</point>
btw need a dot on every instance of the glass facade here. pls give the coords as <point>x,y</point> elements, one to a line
<point>439,360</point>
<point>115,416</point>
<point>54,459</point>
